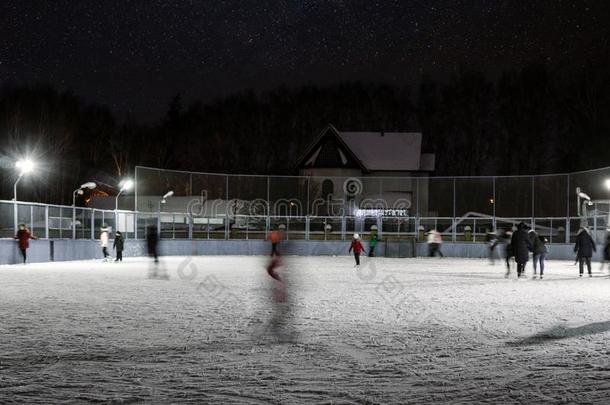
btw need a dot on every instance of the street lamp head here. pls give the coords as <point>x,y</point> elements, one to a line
<point>126,185</point>
<point>90,185</point>
<point>584,196</point>
<point>25,166</point>
<point>167,195</point>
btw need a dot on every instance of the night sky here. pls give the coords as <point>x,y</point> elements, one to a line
<point>135,55</point>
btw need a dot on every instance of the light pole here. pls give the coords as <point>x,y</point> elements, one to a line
<point>24,166</point>
<point>90,185</point>
<point>163,200</point>
<point>125,185</point>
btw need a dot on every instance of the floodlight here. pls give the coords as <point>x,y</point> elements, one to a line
<point>126,184</point>
<point>25,166</point>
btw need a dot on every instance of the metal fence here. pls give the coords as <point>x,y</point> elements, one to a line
<point>223,206</point>
<point>543,196</point>
<point>66,222</point>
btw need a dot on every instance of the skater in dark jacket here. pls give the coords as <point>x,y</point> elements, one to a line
<point>356,246</point>
<point>118,244</point>
<point>539,250</point>
<point>152,242</point>
<point>521,247</point>
<point>584,249</point>
<point>23,237</point>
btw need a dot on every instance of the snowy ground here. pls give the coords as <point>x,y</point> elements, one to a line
<point>395,331</point>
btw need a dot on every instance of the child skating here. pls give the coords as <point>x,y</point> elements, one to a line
<point>118,244</point>
<point>356,246</point>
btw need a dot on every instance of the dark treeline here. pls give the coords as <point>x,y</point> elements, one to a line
<point>529,121</point>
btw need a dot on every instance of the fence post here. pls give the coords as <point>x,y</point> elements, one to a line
<point>32,218</point>
<point>92,224</point>
<point>307,212</point>
<point>454,236</point>
<point>46,222</point>
<point>533,204</point>
<point>268,201</point>
<point>417,198</point>
<point>307,227</point>
<point>567,235</point>
<point>227,219</point>
<point>493,205</point>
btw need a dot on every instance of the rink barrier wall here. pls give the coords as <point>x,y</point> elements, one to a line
<point>67,249</point>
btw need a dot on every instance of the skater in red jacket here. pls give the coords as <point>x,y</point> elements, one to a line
<point>23,236</point>
<point>356,246</point>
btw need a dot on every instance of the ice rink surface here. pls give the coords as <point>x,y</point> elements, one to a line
<point>394,331</point>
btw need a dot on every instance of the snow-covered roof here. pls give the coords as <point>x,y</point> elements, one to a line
<point>398,151</point>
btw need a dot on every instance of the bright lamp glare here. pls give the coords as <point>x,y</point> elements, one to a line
<point>90,185</point>
<point>25,166</point>
<point>168,194</point>
<point>607,182</point>
<point>127,184</point>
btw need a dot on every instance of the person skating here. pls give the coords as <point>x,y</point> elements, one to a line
<point>492,241</point>
<point>356,246</point>
<point>521,245</point>
<point>539,250</point>
<point>275,237</point>
<point>372,245</point>
<point>434,243</point>
<point>508,251</point>
<point>23,240</point>
<point>152,241</point>
<point>104,242</point>
<point>584,249</point>
<point>118,244</point>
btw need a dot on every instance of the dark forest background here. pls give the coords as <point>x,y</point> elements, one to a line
<point>534,120</point>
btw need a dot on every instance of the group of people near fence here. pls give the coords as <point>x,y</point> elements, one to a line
<point>118,245</point>
<point>521,242</point>
<point>518,246</point>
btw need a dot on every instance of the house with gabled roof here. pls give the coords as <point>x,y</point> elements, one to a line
<point>388,166</point>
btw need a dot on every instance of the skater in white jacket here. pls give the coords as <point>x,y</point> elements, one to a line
<point>104,242</point>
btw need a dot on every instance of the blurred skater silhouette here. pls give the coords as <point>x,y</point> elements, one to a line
<point>279,326</point>
<point>152,243</point>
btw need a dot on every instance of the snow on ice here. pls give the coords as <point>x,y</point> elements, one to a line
<point>393,331</point>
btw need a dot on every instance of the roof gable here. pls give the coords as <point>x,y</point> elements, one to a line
<point>328,150</point>
<point>370,151</point>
